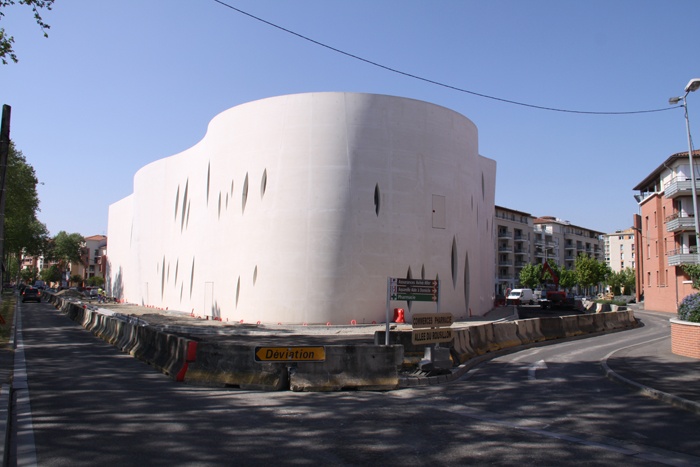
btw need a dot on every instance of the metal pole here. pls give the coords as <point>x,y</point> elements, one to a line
<point>386,332</point>
<point>692,178</point>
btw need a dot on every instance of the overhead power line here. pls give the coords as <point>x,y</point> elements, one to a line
<point>431,81</point>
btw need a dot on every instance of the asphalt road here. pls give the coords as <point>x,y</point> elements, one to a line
<point>86,403</point>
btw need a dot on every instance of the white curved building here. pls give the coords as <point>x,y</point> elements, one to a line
<point>296,209</point>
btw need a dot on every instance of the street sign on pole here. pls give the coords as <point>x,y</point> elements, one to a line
<point>410,290</point>
<point>414,290</point>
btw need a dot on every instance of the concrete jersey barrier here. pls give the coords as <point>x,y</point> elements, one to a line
<point>358,367</point>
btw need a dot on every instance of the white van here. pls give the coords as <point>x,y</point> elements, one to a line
<point>520,297</point>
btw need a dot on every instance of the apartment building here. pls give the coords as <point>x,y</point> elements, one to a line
<point>666,227</point>
<point>523,239</point>
<point>619,250</point>
<point>95,252</point>
<point>92,262</point>
<point>561,242</point>
<point>514,233</point>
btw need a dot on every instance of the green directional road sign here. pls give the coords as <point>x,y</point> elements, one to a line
<point>415,290</point>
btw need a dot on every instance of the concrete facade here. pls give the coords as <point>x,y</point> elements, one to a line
<point>514,249</point>
<point>296,209</point>
<point>619,250</point>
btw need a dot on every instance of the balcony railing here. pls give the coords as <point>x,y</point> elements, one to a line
<point>679,186</point>
<point>683,255</point>
<point>679,222</point>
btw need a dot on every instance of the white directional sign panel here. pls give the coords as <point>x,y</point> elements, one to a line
<point>432,320</point>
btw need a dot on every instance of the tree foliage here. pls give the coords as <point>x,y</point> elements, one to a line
<point>23,231</point>
<point>66,248</point>
<point>96,281</point>
<point>530,275</point>
<point>6,50</point>
<point>693,271</point>
<point>589,271</point>
<point>50,274</point>
<point>567,279</point>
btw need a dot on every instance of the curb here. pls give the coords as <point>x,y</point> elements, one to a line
<point>665,397</point>
<point>6,398</point>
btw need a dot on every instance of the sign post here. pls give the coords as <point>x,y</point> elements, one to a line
<point>411,290</point>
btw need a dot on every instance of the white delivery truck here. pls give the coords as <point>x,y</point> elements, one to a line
<point>520,297</point>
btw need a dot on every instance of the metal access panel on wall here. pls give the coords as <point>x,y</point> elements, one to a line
<point>439,214</point>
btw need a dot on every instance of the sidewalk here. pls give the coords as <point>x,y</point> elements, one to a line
<point>659,373</point>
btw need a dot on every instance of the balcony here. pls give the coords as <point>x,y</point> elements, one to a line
<point>679,222</point>
<point>679,186</point>
<point>683,255</point>
<point>505,234</point>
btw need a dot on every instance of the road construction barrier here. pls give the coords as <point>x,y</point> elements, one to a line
<point>482,338</point>
<point>462,346</point>
<point>529,330</point>
<point>506,334</point>
<point>364,367</point>
<point>477,340</point>
<point>570,325</point>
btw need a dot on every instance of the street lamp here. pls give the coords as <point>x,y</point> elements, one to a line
<point>692,86</point>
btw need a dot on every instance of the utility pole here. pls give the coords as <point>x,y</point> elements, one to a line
<point>4,152</point>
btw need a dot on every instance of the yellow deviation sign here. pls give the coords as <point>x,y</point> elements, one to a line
<point>290,354</point>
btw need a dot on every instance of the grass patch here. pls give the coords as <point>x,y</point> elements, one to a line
<point>7,310</point>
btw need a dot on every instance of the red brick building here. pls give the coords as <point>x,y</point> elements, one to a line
<point>665,237</point>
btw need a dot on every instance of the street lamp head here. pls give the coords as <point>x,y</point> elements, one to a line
<point>675,100</point>
<point>693,85</point>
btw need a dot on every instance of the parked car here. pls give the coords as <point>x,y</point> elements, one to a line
<point>31,294</point>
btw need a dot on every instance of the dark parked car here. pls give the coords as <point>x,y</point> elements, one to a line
<point>31,294</point>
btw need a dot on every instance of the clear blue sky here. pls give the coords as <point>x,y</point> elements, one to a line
<point>119,84</point>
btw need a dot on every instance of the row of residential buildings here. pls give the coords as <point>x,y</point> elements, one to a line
<point>525,239</point>
<point>93,261</point>
<point>661,242</point>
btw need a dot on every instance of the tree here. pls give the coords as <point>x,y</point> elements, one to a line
<point>629,281</point>
<point>531,275</point>
<point>96,281</point>
<point>50,274</point>
<point>76,279</point>
<point>23,231</point>
<point>6,50</point>
<point>29,275</point>
<point>615,280</point>
<point>66,248</point>
<point>567,279</point>
<point>589,271</point>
